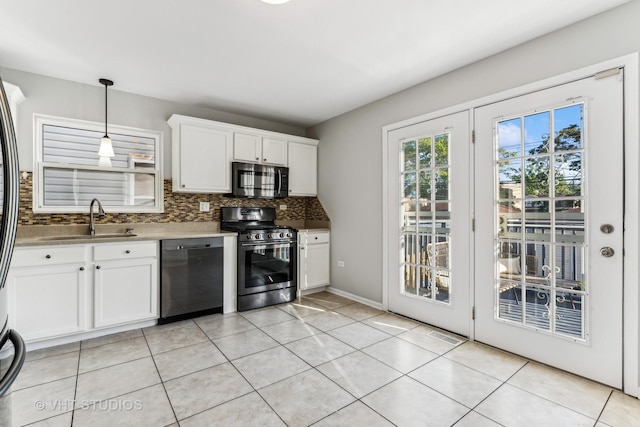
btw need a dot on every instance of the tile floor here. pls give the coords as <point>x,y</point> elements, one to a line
<point>324,361</point>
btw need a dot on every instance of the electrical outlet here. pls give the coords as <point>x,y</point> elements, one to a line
<point>283,207</point>
<point>204,207</point>
<point>340,263</point>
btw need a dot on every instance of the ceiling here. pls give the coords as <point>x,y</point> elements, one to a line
<point>299,63</point>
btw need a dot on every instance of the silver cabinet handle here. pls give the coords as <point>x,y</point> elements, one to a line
<point>97,267</point>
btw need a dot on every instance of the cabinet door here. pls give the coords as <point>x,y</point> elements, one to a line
<point>246,147</point>
<point>204,160</point>
<point>47,302</point>
<point>274,151</point>
<point>303,169</point>
<point>125,291</point>
<point>317,265</point>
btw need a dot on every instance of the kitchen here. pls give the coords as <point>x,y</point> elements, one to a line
<point>338,179</point>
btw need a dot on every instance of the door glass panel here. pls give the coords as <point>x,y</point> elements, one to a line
<point>510,138</point>
<point>441,151</point>
<point>568,174</point>
<point>536,176</point>
<point>540,271</point>
<point>424,152</point>
<point>537,309</point>
<point>426,217</point>
<point>569,313</point>
<point>536,133</point>
<point>568,124</point>
<point>409,156</point>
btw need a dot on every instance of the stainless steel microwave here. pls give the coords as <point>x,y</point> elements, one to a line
<point>259,181</point>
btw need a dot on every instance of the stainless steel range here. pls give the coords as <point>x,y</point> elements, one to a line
<point>267,263</point>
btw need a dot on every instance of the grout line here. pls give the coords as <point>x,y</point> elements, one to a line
<point>175,416</point>
<point>604,407</point>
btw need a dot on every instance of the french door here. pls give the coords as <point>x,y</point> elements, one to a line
<point>429,222</point>
<point>549,226</point>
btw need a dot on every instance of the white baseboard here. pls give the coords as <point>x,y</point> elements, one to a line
<point>356,298</point>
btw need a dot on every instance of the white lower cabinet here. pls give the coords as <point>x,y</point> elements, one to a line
<point>48,300</point>
<point>63,290</point>
<point>125,287</point>
<point>313,259</point>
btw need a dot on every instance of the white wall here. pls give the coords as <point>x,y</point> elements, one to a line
<point>56,97</point>
<point>350,150</point>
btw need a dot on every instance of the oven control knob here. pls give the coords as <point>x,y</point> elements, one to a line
<point>281,235</point>
<point>258,236</point>
<point>249,236</point>
<point>270,236</point>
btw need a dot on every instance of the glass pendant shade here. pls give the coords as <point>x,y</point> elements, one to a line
<point>105,152</point>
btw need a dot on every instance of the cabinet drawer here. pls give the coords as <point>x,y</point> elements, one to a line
<point>311,238</point>
<point>48,255</point>
<point>127,250</point>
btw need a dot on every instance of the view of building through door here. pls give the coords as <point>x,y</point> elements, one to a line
<point>549,212</point>
<point>430,231</point>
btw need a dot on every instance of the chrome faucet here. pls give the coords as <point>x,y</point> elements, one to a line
<point>92,227</point>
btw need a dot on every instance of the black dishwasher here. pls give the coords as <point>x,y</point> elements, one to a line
<point>192,278</point>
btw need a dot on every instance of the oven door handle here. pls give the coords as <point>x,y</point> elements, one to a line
<point>286,244</point>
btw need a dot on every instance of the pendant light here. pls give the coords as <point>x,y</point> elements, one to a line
<point>106,149</point>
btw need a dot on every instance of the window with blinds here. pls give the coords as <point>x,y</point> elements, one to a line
<point>67,175</point>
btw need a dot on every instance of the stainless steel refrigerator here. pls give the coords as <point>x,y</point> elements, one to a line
<point>12,348</point>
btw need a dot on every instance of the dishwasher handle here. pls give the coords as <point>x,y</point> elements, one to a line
<point>182,247</point>
<point>172,245</point>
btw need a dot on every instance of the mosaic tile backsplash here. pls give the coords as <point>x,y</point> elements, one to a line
<point>178,207</point>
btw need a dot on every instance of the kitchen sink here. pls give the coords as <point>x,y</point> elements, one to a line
<point>87,237</point>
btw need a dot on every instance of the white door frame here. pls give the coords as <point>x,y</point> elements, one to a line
<point>631,256</point>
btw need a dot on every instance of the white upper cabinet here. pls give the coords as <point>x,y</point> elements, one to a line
<point>203,151</point>
<point>303,169</point>
<point>258,149</point>
<point>202,155</point>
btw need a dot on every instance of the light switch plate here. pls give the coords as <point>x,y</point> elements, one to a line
<point>283,207</point>
<point>204,206</point>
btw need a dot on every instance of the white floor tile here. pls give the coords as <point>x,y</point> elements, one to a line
<point>456,381</point>
<point>356,413</point>
<point>358,335</point>
<point>496,363</point>
<point>205,389</point>
<point>305,398</point>
<point>399,354</point>
<point>621,410</point>
<point>359,373</point>
<point>249,410</point>
<point>406,402</point>
<point>320,348</point>
<point>513,407</point>
<point>565,389</point>
<point>269,366</point>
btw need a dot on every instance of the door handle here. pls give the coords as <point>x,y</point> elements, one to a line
<point>607,252</point>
